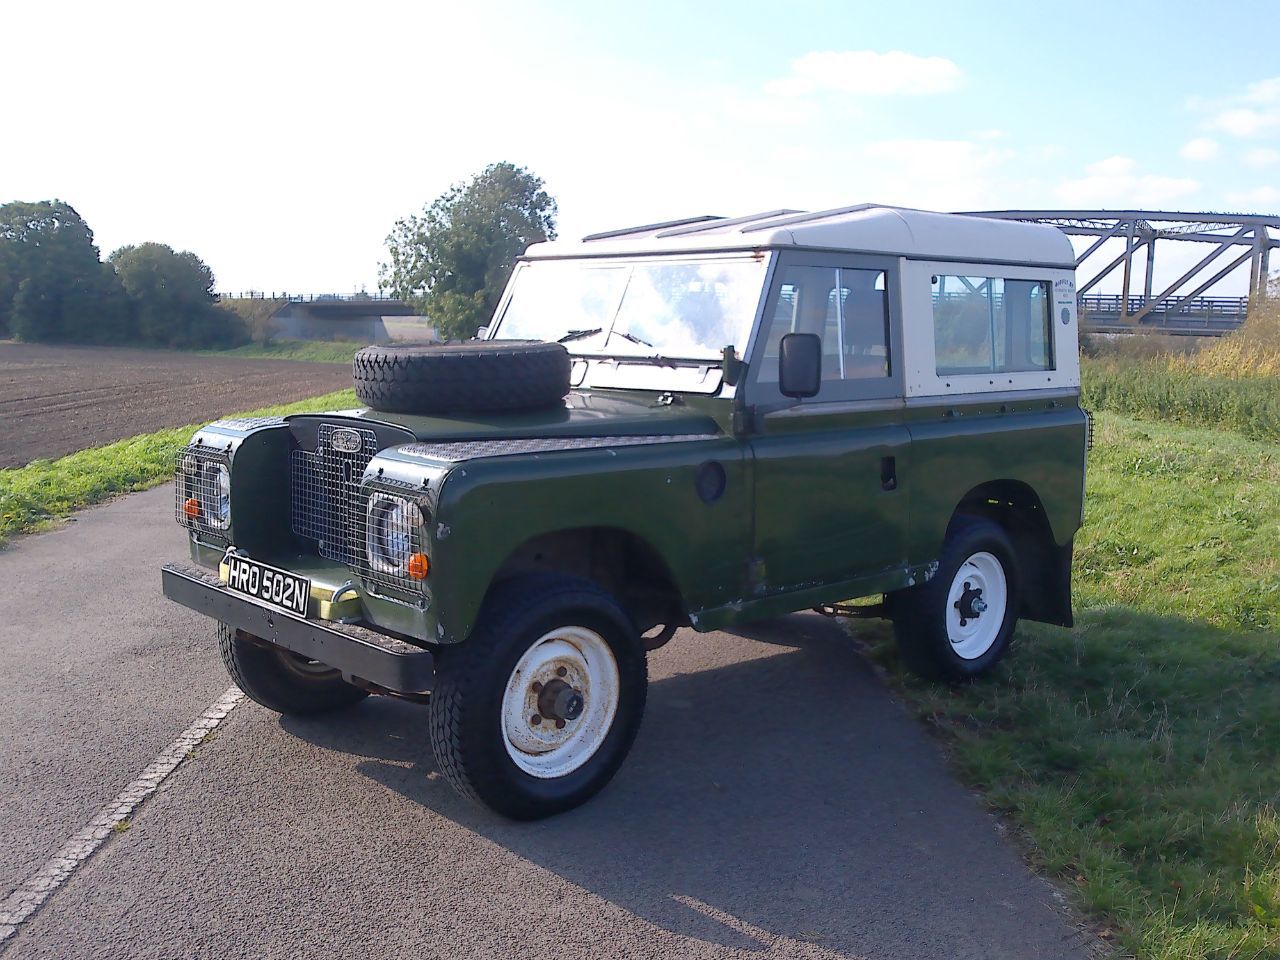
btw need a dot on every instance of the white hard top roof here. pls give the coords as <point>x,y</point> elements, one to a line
<point>866,228</point>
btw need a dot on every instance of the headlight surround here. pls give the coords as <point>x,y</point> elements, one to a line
<point>392,529</point>
<point>202,483</point>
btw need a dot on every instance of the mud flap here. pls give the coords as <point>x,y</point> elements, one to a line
<point>1047,598</point>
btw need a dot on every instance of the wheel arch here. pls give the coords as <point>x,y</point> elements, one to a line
<point>620,561</point>
<point>1044,566</point>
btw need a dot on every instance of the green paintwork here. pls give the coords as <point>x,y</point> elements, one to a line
<point>820,500</point>
<point>957,447</point>
<point>492,506</point>
<point>804,518</point>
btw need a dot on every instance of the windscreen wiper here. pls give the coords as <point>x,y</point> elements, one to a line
<point>630,336</point>
<point>578,334</point>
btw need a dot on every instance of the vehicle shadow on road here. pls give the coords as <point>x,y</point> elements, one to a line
<point>777,800</point>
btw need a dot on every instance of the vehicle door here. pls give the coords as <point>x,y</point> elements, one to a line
<point>831,471</point>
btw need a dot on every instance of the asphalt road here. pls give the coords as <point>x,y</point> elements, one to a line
<point>777,804</point>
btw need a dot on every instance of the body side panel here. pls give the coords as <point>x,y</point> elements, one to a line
<point>490,507</point>
<point>959,447</point>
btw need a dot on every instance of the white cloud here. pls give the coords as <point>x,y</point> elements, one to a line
<point>1116,183</point>
<point>1264,91</point>
<point>1201,148</point>
<point>1259,200</point>
<point>1261,157</point>
<point>1112,167</point>
<point>1248,114</point>
<point>867,73</point>
<point>1244,121</point>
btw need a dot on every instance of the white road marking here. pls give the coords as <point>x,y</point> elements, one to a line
<point>18,907</point>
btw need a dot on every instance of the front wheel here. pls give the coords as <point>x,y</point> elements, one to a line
<point>959,623</point>
<point>534,713</point>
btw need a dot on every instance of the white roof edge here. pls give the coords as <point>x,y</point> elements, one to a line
<point>865,228</point>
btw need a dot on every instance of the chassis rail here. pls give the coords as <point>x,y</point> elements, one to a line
<point>356,651</point>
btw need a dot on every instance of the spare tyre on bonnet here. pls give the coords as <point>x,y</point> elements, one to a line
<point>473,376</point>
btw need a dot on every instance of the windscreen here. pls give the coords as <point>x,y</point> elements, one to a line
<point>670,308</point>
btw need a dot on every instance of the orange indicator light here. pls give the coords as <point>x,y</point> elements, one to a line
<point>419,566</point>
<point>191,508</point>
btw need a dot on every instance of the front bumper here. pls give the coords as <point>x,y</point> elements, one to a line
<point>356,651</point>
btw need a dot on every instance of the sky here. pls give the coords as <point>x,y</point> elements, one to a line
<point>281,141</point>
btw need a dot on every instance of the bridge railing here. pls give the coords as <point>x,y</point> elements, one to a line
<point>308,297</point>
<point>1212,313</point>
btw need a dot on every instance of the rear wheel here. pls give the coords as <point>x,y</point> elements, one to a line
<point>281,680</point>
<point>959,623</point>
<point>534,713</point>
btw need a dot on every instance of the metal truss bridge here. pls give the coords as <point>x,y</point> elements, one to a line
<point>1181,307</point>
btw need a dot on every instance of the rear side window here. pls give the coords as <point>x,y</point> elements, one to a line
<point>991,325</point>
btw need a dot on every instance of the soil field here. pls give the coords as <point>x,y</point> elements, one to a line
<point>56,400</point>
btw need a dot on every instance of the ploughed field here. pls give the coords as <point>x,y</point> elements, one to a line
<point>56,400</point>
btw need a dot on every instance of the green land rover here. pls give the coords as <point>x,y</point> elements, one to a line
<point>686,424</point>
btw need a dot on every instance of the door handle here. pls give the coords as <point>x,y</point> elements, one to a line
<point>888,473</point>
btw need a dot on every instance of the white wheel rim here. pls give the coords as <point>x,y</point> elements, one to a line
<point>555,746</point>
<point>976,606</point>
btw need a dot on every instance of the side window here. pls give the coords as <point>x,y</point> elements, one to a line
<point>847,308</point>
<point>991,325</point>
<point>863,326</point>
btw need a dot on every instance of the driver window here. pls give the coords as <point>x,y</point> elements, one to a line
<point>847,308</point>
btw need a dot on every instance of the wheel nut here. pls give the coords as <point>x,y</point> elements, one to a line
<point>561,672</point>
<point>537,687</point>
<point>535,720</point>
<point>559,724</point>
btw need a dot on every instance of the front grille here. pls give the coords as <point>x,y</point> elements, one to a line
<point>325,485</point>
<point>198,494</point>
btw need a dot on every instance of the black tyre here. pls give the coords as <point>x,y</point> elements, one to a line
<point>534,712</point>
<point>283,681</point>
<point>463,377</point>
<point>958,624</point>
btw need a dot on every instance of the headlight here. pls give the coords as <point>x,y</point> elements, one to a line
<point>219,486</point>
<point>389,533</point>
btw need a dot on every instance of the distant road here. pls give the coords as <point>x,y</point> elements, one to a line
<point>56,400</point>
<point>778,803</point>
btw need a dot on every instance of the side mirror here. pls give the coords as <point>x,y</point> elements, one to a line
<point>800,365</point>
<point>482,333</point>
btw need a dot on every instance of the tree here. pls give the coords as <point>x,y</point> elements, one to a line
<point>453,261</point>
<point>173,298</point>
<point>53,286</point>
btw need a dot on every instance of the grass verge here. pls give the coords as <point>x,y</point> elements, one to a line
<point>46,489</point>
<point>314,351</point>
<point>1157,389</point>
<point>1140,751</point>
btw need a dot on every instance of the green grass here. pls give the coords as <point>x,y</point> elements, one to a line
<point>1140,751</point>
<point>316,351</point>
<point>1153,390</point>
<point>46,489</point>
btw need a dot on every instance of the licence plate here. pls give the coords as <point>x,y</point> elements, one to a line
<point>268,584</point>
